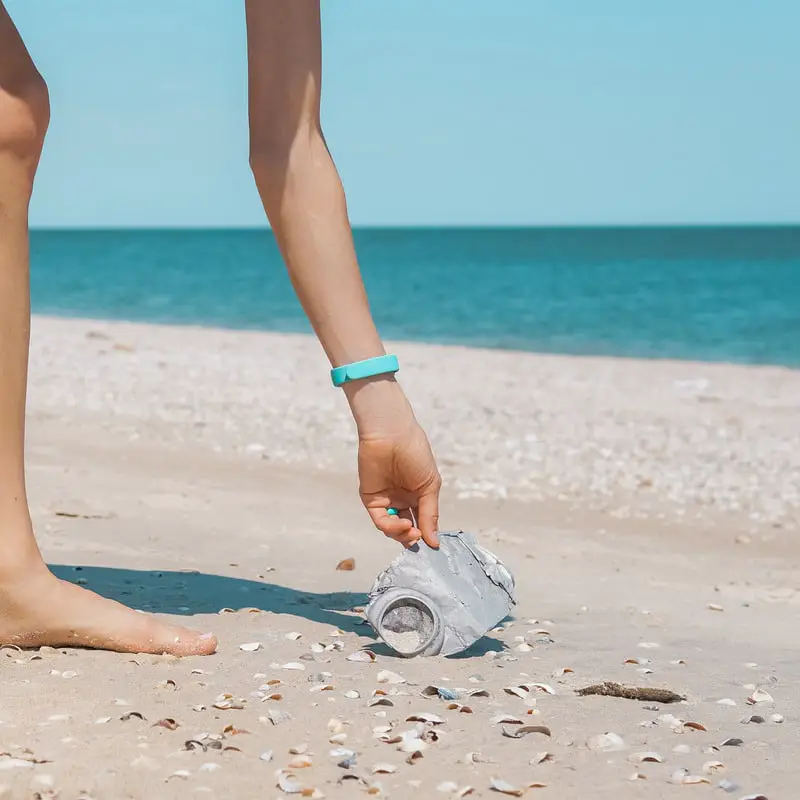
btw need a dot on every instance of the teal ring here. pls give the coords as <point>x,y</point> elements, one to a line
<point>392,512</point>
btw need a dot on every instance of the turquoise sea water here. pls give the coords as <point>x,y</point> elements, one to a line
<point>712,294</point>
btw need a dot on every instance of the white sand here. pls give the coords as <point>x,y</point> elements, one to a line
<point>214,469</point>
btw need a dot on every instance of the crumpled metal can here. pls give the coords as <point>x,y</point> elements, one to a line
<point>439,602</point>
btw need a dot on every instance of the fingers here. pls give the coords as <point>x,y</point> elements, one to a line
<point>396,527</point>
<point>428,517</point>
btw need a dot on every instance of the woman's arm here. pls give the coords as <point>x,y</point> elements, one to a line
<point>305,203</point>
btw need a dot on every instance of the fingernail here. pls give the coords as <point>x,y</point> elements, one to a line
<point>207,636</point>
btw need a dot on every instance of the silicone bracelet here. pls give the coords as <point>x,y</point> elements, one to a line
<point>380,365</point>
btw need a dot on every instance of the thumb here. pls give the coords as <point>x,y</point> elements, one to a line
<point>428,517</point>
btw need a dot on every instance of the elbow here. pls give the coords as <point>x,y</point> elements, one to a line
<point>276,156</point>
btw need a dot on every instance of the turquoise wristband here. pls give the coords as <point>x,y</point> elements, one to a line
<point>381,365</point>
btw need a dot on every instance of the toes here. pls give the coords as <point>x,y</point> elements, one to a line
<point>178,641</point>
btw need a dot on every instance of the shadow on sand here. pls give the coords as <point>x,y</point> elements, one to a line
<point>188,593</point>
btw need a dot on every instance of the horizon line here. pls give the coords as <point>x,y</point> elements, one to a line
<point>448,227</point>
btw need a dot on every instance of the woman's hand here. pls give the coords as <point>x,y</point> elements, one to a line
<point>396,467</point>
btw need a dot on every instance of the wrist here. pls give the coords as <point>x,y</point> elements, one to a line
<point>379,406</point>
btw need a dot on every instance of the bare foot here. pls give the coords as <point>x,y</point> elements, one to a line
<point>36,609</point>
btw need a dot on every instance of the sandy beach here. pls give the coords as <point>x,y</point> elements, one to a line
<point>649,511</point>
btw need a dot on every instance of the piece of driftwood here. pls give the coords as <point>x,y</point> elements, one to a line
<point>648,695</point>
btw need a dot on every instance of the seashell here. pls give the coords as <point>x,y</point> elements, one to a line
<point>695,726</point>
<point>381,701</point>
<point>338,738</point>
<point>294,665</point>
<point>447,787</point>
<point>710,767</point>
<point>517,691</point>
<point>754,718</point>
<point>505,719</point>
<point>362,656</point>
<point>387,676</point>
<point>476,758</point>
<point>525,730</point>
<point>322,687</point>
<point>559,673</point>
<point>180,773</point>
<point>776,718</point>
<point>606,742</point>
<point>726,701</point>
<point>504,787</point>
<point>335,725</point>
<point>352,694</point>
<point>384,769</point>
<point>760,697</point>
<point>429,719</point>
<point>542,758</point>
<point>442,692</point>
<point>646,757</point>
<point>102,720</point>
<point>287,782</point>
<point>341,752</point>
<point>300,762</point>
<point>266,756</point>
<point>732,742</point>
<point>541,687</point>
<point>298,749</point>
<point>277,717</point>
<point>250,647</point>
<point>293,636</point>
<point>167,723</point>
<point>346,565</point>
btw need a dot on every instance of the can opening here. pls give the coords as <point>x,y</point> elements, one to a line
<point>407,625</point>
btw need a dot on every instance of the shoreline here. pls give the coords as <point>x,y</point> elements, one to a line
<point>690,442</point>
<point>190,326</point>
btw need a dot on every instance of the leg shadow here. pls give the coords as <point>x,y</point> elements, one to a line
<point>187,593</point>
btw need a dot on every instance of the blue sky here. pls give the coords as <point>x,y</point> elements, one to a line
<point>437,111</point>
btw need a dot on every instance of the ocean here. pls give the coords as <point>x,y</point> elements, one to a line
<point>704,294</point>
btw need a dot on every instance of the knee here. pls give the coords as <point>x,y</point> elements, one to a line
<point>24,117</point>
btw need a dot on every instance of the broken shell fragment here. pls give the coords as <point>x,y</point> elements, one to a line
<point>695,726</point>
<point>287,782</point>
<point>250,647</point>
<point>710,767</point>
<point>442,692</point>
<point>387,676</point>
<point>505,719</point>
<point>362,656</point>
<point>504,787</point>
<point>427,718</point>
<point>277,717</point>
<point>760,697</point>
<point>646,757</point>
<point>606,742</point>
<point>525,730</point>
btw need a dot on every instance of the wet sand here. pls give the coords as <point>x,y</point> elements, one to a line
<point>648,510</point>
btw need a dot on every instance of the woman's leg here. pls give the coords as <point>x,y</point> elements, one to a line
<point>35,607</point>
